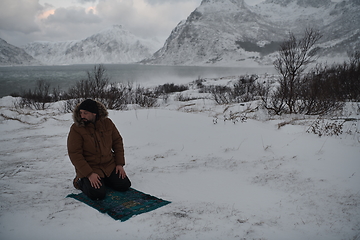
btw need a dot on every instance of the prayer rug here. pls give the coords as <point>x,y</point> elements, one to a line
<point>123,205</point>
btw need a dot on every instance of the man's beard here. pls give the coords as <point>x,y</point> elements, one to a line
<point>85,121</point>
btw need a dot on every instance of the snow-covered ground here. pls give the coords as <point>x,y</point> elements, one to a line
<point>257,179</point>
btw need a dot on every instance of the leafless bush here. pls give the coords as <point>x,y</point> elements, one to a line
<point>221,94</point>
<point>347,75</point>
<point>169,88</point>
<point>164,90</point>
<point>70,104</point>
<point>322,90</point>
<point>184,97</point>
<point>243,90</point>
<point>144,97</point>
<point>326,128</point>
<point>294,56</point>
<point>235,117</point>
<point>113,96</point>
<point>318,93</point>
<point>117,96</point>
<point>39,98</point>
<point>94,86</point>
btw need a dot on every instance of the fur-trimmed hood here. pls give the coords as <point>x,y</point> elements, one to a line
<point>103,113</point>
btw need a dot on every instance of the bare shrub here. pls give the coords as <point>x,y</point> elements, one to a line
<point>70,104</point>
<point>144,97</point>
<point>221,94</point>
<point>326,128</point>
<point>348,75</point>
<point>184,98</point>
<point>97,86</point>
<point>117,96</point>
<point>94,86</point>
<point>80,90</point>
<point>319,93</point>
<point>235,117</point>
<point>170,88</point>
<point>294,55</point>
<point>38,99</point>
<point>242,90</point>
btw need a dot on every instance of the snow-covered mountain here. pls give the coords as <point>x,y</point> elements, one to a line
<point>230,31</point>
<point>112,45</point>
<point>220,32</point>
<point>11,55</point>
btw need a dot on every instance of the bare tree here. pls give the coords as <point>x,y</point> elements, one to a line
<point>354,57</point>
<point>39,98</point>
<point>99,81</point>
<point>93,87</point>
<point>293,58</point>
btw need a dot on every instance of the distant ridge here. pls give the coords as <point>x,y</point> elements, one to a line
<point>112,45</point>
<point>218,32</point>
<point>11,55</point>
<point>230,32</point>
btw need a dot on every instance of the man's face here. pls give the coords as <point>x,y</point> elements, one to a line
<point>87,116</point>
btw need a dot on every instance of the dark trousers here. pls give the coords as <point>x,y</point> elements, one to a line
<point>113,181</point>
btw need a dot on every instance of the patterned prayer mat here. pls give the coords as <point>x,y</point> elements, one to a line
<point>123,205</point>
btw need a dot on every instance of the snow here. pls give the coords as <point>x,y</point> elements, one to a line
<point>293,13</point>
<point>112,45</point>
<point>216,32</point>
<point>257,179</point>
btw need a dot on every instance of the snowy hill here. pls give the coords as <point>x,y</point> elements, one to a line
<point>256,179</point>
<point>230,31</point>
<point>112,45</point>
<point>11,55</point>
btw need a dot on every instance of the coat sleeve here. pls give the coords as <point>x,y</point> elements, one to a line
<point>75,151</point>
<point>117,146</point>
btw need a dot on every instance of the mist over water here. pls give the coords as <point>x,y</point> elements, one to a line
<point>22,78</point>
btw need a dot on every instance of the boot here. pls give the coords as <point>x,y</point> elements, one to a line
<point>76,183</point>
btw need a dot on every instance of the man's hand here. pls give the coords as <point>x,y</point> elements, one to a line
<point>94,179</point>
<point>120,170</point>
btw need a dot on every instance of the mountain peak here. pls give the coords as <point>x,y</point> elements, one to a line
<point>222,3</point>
<point>230,31</point>
<point>112,45</point>
<point>302,3</point>
<point>12,55</point>
<point>117,26</point>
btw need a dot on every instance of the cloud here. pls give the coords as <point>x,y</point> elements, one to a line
<point>23,21</point>
<point>166,1</point>
<point>46,14</point>
<point>73,23</point>
<point>146,18</point>
<point>72,15</point>
<point>86,1</point>
<point>19,15</point>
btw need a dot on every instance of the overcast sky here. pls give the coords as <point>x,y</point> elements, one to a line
<point>23,21</point>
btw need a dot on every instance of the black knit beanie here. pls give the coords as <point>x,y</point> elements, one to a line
<point>90,106</point>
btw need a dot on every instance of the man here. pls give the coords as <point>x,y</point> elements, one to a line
<point>96,150</point>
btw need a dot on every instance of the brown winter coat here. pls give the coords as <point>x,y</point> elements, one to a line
<point>95,148</point>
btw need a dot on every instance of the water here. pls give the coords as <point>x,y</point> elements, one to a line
<point>20,78</point>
